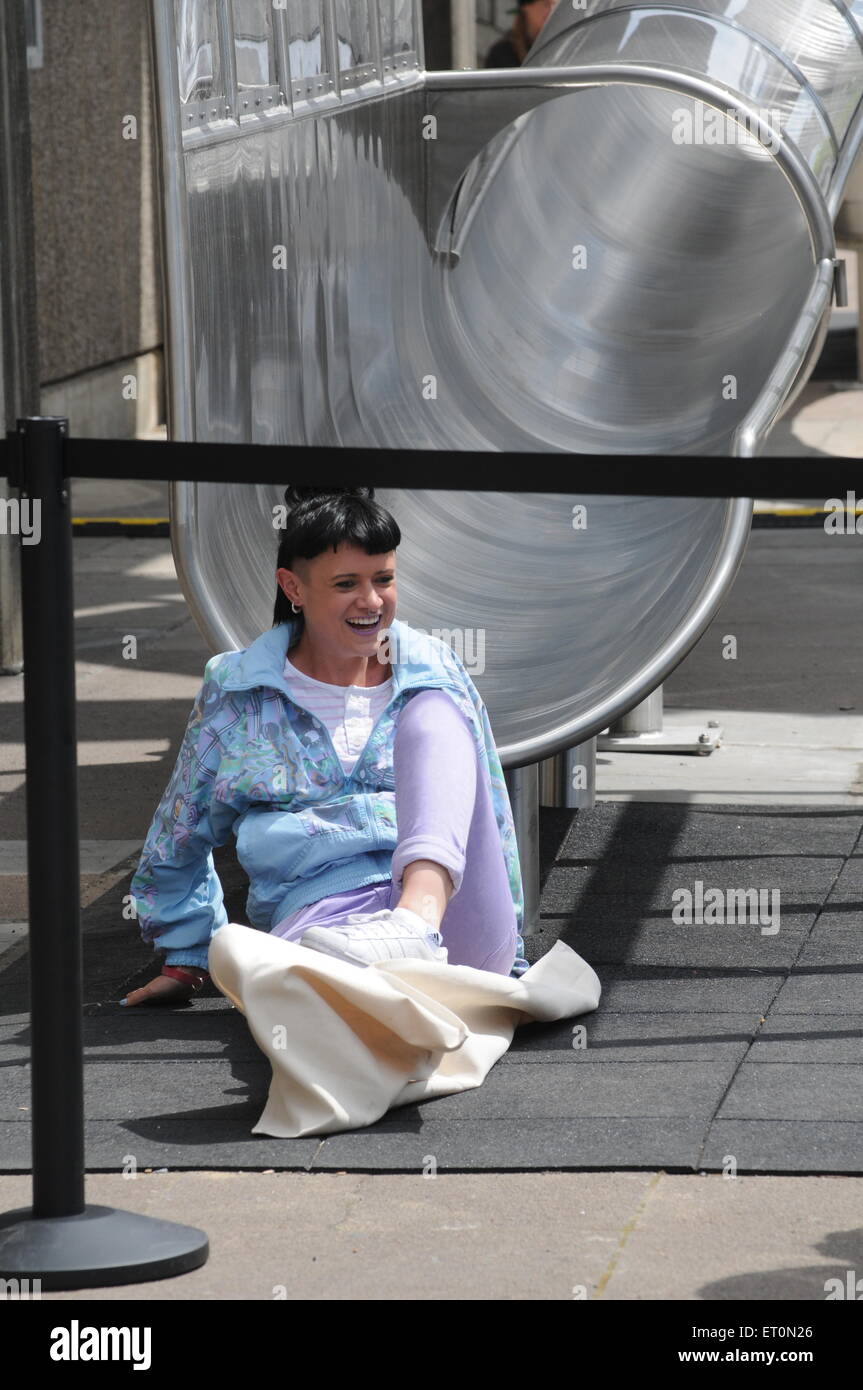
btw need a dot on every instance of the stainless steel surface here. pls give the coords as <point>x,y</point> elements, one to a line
<point>793,367</point>
<point>522,784</point>
<point>643,718</point>
<point>515,260</point>
<point>569,778</point>
<point>642,730</point>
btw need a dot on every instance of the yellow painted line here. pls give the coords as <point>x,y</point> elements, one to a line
<point>805,511</point>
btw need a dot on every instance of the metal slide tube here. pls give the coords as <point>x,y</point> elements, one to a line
<point>392,260</point>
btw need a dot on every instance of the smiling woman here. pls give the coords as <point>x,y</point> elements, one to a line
<point>359,777</point>
<point>345,593</point>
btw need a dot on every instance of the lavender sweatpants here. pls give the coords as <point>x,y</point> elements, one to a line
<point>444,812</point>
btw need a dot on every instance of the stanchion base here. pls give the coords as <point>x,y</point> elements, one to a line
<point>100,1246</point>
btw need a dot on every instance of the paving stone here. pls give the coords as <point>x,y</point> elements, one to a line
<point>177,1142</point>
<point>848,887</point>
<point>709,1238</point>
<point>677,831</point>
<point>94,856</point>
<point>590,1087</point>
<point>566,893</point>
<point>785,1146</point>
<point>145,1035</point>
<point>840,947</point>
<point>704,991</point>
<point>661,876</point>
<point>635,1037</point>
<point>821,990</point>
<point>398,1144</point>
<point>707,945</point>
<point>784,1090</point>
<point>681,1009</point>
<point>800,1039</point>
<point>839,916</point>
<point>132,1090</point>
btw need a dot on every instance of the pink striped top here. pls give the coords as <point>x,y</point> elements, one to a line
<point>349,712</point>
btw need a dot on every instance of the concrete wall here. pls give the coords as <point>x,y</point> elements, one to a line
<point>95,214</point>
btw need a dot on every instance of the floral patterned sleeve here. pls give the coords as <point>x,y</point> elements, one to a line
<point>177,894</point>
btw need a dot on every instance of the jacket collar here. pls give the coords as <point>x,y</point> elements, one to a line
<point>414,657</point>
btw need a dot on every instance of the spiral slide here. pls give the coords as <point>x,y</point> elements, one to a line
<point>625,246</point>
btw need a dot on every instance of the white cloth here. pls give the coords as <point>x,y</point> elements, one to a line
<point>347,1043</point>
<point>349,712</point>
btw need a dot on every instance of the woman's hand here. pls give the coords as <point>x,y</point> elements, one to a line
<point>165,989</point>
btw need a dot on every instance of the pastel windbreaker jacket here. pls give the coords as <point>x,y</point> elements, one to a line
<point>255,762</point>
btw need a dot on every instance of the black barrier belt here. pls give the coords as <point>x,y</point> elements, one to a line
<point>643,475</point>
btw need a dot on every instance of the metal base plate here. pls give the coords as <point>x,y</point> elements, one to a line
<point>98,1247</point>
<point>683,740</point>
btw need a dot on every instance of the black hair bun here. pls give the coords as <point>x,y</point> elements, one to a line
<point>295,496</point>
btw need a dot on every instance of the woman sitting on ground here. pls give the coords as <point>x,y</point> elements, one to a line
<point>353,759</point>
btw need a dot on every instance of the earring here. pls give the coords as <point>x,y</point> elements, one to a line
<point>294,608</point>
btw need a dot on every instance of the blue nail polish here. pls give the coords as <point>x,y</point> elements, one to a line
<point>122,1001</point>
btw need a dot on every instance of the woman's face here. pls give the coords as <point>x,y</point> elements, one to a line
<point>336,589</point>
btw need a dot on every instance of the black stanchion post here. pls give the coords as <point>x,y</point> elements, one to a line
<point>53,879</point>
<point>62,1241</point>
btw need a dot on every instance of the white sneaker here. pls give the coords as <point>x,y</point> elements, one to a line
<point>393,934</point>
